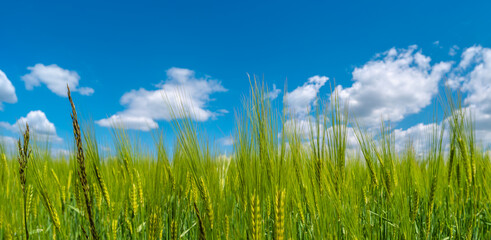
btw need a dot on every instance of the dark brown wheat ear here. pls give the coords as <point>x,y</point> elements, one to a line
<point>23,158</point>
<point>81,166</point>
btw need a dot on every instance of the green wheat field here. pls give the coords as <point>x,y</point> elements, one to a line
<point>278,182</point>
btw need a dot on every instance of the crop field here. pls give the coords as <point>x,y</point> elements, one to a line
<point>278,183</point>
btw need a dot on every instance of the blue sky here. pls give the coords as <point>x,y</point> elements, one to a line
<point>127,52</point>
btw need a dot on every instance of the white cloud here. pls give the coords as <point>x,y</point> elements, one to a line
<point>226,141</point>
<point>55,78</point>
<point>473,77</point>
<point>181,95</point>
<point>7,90</point>
<point>307,127</point>
<point>60,152</point>
<point>299,103</point>
<point>302,126</point>
<point>470,55</point>
<point>273,94</point>
<point>8,142</point>
<point>40,126</point>
<point>453,50</point>
<point>87,91</point>
<point>395,84</point>
<point>420,136</point>
<point>300,100</point>
<point>129,122</point>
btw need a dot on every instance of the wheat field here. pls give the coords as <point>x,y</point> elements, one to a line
<point>278,183</point>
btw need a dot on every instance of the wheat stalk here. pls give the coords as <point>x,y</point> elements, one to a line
<point>23,158</point>
<point>81,167</point>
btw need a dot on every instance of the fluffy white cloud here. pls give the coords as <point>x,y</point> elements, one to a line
<point>300,100</point>
<point>55,78</point>
<point>7,90</point>
<point>299,103</point>
<point>473,77</point>
<point>395,84</point>
<point>471,55</point>
<point>40,126</point>
<point>181,95</point>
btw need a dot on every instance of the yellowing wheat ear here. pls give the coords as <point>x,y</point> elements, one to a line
<point>227,227</point>
<point>114,229</point>
<point>279,224</point>
<point>134,199</point>
<point>256,218</point>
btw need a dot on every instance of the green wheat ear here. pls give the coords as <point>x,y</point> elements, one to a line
<point>173,228</point>
<point>205,196</point>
